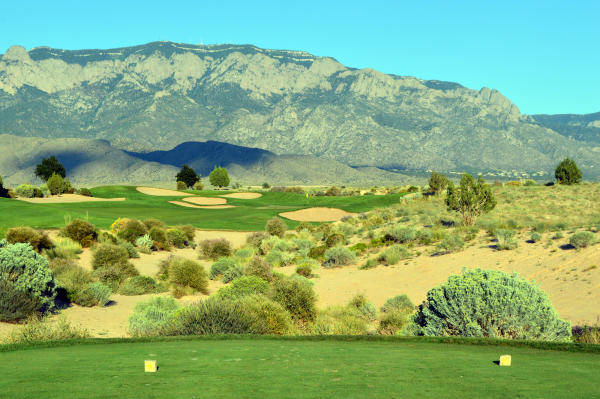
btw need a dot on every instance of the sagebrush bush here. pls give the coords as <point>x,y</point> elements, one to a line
<point>401,234</point>
<point>340,320</point>
<point>159,238</point>
<point>64,248</point>
<point>256,238</point>
<point>338,256</point>
<point>72,278</point>
<point>394,323</point>
<point>272,317</point>
<point>130,248</point>
<point>139,285</point>
<point>150,317</point>
<point>279,258</point>
<point>398,302</point>
<point>394,254</point>
<point>28,191</point>
<point>16,304</point>
<point>244,253</point>
<point>369,264</point>
<point>114,275</point>
<point>144,243</point>
<point>365,308</point>
<point>582,239</point>
<point>450,243</point>
<point>105,237</point>
<point>216,248</point>
<point>188,273</point>
<point>81,231</point>
<point>489,303</point>
<point>276,227</point>
<point>506,239</point>
<point>243,286</point>
<point>37,239</point>
<point>108,255</point>
<point>535,236</point>
<point>189,231</point>
<point>44,330</point>
<point>232,273</point>
<point>221,266</point>
<point>297,296</point>
<point>132,229</point>
<point>177,238</point>
<point>334,240</point>
<point>259,267</point>
<point>92,294</point>
<point>150,223</point>
<point>274,243</point>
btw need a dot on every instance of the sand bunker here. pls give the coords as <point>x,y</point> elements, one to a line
<point>66,198</point>
<point>316,214</point>
<point>243,195</point>
<point>205,200</point>
<point>160,192</point>
<point>187,205</point>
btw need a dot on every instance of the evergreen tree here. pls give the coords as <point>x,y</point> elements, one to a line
<point>188,176</point>
<point>45,169</point>
<point>438,182</point>
<point>567,172</point>
<point>471,199</point>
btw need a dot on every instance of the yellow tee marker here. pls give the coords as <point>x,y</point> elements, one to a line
<point>505,360</point>
<point>150,366</point>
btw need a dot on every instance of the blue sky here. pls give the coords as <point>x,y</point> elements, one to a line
<point>543,55</point>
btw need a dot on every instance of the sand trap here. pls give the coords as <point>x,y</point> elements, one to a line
<point>66,198</point>
<point>160,192</point>
<point>316,215</point>
<point>205,200</point>
<point>243,195</point>
<point>187,205</point>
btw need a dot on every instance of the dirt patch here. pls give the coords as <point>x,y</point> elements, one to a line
<point>180,203</point>
<point>67,198</point>
<point>316,214</point>
<point>161,192</point>
<point>206,200</point>
<point>243,195</point>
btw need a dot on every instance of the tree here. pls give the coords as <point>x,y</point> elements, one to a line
<point>490,303</point>
<point>567,172</point>
<point>3,191</point>
<point>438,182</point>
<point>219,177</point>
<point>48,167</point>
<point>56,184</point>
<point>473,198</point>
<point>188,176</point>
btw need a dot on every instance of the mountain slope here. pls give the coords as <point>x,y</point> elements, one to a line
<point>579,127</point>
<point>161,94</point>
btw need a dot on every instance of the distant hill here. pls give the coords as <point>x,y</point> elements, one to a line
<point>584,127</point>
<point>91,161</point>
<point>158,95</point>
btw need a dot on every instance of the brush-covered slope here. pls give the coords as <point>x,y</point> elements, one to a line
<point>161,94</point>
<point>584,127</point>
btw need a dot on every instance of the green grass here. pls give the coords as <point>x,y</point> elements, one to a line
<point>269,367</point>
<point>248,215</point>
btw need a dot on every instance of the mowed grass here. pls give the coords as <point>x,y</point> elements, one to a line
<point>296,368</point>
<point>248,215</point>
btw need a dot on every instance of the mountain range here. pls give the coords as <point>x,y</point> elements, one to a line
<point>157,96</point>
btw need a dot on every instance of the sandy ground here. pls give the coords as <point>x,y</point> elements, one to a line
<point>67,198</point>
<point>317,214</point>
<point>161,192</point>
<point>243,195</point>
<point>180,203</point>
<point>205,200</point>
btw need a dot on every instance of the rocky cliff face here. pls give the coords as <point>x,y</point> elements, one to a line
<point>158,95</point>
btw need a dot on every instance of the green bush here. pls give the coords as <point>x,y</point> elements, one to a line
<point>28,191</point>
<point>64,248</point>
<point>369,264</point>
<point>244,253</point>
<point>256,238</point>
<point>260,268</point>
<point>113,275</point>
<point>276,227</point>
<point>93,294</point>
<point>75,281</point>
<point>105,237</point>
<point>334,240</point>
<point>243,286</point>
<point>297,296</point>
<point>177,238</point>
<point>181,185</point>
<point>484,303</point>
<point>272,317</point>
<point>216,248</point>
<point>398,303</point>
<point>304,270</point>
<point>365,308</point>
<point>582,239</point>
<point>506,239</point>
<point>45,330</point>
<point>188,273</point>
<point>130,248</point>
<point>159,238</point>
<point>535,236</point>
<point>139,285</point>
<point>27,271</point>
<point>150,223</point>
<point>85,192</point>
<point>221,266</point>
<point>340,320</point>
<point>81,231</point>
<point>450,243</point>
<point>150,317</point>
<point>144,243</point>
<point>108,255</point>
<point>232,273</point>
<point>38,240</point>
<point>567,172</point>
<point>393,323</point>
<point>275,243</point>
<point>279,258</point>
<point>317,252</point>
<point>401,234</point>
<point>16,304</point>
<point>338,256</point>
<point>189,231</point>
<point>132,230</point>
<point>394,254</point>
<point>57,185</point>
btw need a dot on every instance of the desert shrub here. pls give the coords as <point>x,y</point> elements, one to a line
<point>338,256</point>
<point>57,185</point>
<point>297,296</point>
<point>398,303</point>
<point>199,186</point>
<point>506,239</point>
<point>346,229</point>
<point>582,239</point>
<point>105,237</point>
<point>359,248</point>
<point>15,303</point>
<point>139,285</point>
<point>28,191</point>
<point>244,253</point>
<point>450,243</point>
<point>567,172</point>
<point>369,264</point>
<point>275,243</point>
<point>81,231</point>
<point>38,240</point>
<point>219,267</point>
<point>484,303</point>
<point>27,271</point>
<point>394,254</point>
<point>586,335</point>
<point>260,268</point>
<point>150,223</point>
<point>535,236</point>
<point>530,182</point>
<point>334,240</point>
<point>393,323</point>
<point>256,238</point>
<point>44,330</point>
<point>130,248</point>
<point>276,227</point>
<point>216,248</point>
<point>333,191</point>
<point>85,192</point>
<point>92,294</point>
<point>132,230</point>
<point>188,273</point>
<point>304,226</point>
<point>401,234</point>
<point>317,252</point>
<point>471,199</point>
<point>113,275</point>
<point>189,231</point>
<point>272,317</point>
<point>74,280</point>
<point>177,238</point>
<point>304,270</point>
<point>150,317</point>
<point>214,316</point>
<point>438,183</point>
<point>159,238</point>
<point>144,243</point>
<point>109,254</point>
<point>365,308</point>
<point>279,258</point>
<point>181,185</point>
<point>232,273</point>
<point>64,248</point>
<point>340,320</point>
<point>243,286</point>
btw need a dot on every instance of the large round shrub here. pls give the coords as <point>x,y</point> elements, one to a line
<point>274,319</point>
<point>81,231</point>
<point>297,296</point>
<point>16,304</point>
<point>108,255</point>
<point>581,239</point>
<point>150,317</point>
<point>38,240</point>
<point>258,267</point>
<point>243,286</point>
<point>132,230</point>
<point>188,273</point>
<point>276,227</point>
<point>215,248</point>
<point>339,256</point>
<point>28,271</point>
<point>488,303</point>
<point>221,266</point>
